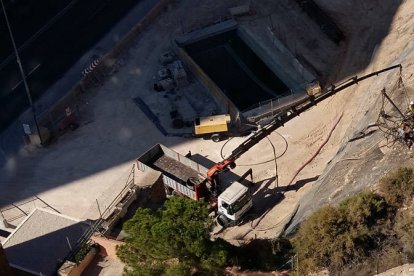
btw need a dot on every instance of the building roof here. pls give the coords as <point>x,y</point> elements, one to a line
<point>41,241</point>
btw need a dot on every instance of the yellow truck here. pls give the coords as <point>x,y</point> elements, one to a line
<point>214,127</point>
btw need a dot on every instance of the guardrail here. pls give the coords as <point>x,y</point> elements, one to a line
<point>104,216</point>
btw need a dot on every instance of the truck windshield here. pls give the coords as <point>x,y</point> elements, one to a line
<point>240,203</point>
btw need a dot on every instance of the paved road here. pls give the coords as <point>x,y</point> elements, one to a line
<point>11,138</point>
<point>50,48</point>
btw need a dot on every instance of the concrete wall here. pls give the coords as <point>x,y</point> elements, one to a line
<point>307,76</point>
<point>277,57</point>
<point>218,95</point>
<point>73,269</point>
<point>204,33</point>
<point>284,65</point>
<point>124,200</point>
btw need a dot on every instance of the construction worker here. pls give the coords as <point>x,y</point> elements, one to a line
<point>406,134</point>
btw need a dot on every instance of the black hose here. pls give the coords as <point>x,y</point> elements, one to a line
<point>259,163</point>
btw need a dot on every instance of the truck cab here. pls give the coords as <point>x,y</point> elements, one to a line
<point>233,203</point>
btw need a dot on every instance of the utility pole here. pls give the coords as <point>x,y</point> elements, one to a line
<point>19,62</point>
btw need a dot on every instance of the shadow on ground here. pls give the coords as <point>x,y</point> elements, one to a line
<point>266,197</point>
<point>365,25</point>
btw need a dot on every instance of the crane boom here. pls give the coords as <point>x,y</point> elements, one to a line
<point>282,118</point>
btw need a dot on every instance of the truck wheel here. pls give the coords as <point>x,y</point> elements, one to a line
<point>215,137</point>
<point>222,220</point>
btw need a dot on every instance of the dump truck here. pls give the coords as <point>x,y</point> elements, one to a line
<point>183,176</point>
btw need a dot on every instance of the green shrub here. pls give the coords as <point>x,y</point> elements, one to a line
<point>317,241</point>
<point>82,252</point>
<point>179,232</point>
<point>398,186</point>
<point>362,229</point>
<point>178,270</point>
<point>404,228</point>
<point>335,236</point>
<point>363,209</point>
<point>390,257</point>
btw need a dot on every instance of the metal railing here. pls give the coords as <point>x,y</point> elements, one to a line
<point>97,225</point>
<point>272,106</point>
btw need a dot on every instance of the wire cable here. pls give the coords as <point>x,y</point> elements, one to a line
<point>259,163</point>
<point>254,224</point>
<point>275,158</point>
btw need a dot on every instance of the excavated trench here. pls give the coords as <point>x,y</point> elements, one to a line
<point>244,75</point>
<point>236,69</point>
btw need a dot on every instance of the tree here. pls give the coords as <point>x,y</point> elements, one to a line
<point>172,240</point>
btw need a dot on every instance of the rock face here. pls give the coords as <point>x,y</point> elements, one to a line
<point>364,156</point>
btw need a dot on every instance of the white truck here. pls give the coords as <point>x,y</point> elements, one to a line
<point>233,203</point>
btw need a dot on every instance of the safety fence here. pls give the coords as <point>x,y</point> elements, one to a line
<point>273,106</point>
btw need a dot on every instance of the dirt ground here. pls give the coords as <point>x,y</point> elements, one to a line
<point>93,162</point>
<point>407,269</point>
<point>106,263</point>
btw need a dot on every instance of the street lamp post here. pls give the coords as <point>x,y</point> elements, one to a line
<point>26,86</point>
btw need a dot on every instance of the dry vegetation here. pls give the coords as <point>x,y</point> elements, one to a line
<point>352,237</point>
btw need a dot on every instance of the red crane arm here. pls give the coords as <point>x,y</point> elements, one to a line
<point>282,118</point>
